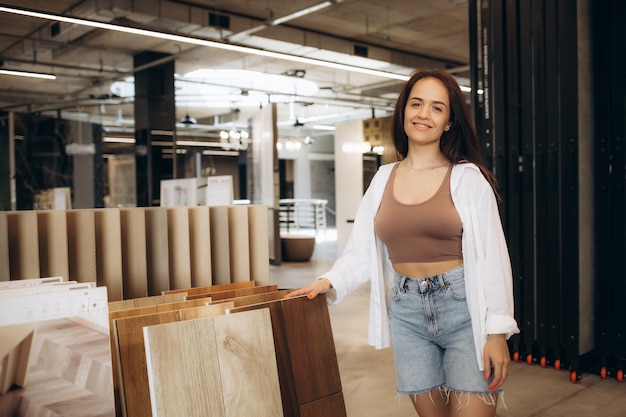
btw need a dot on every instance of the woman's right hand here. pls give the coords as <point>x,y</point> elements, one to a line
<point>319,286</point>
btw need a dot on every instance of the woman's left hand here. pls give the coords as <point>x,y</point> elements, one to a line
<point>496,359</point>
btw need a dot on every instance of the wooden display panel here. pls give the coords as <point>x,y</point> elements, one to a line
<point>53,243</point>
<point>129,350</point>
<point>146,301</point>
<point>24,248</point>
<point>179,247</point>
<point>239,240</point>
<point>220,245</point>
<point>200,246</point>
<point>134,260</point>
<point>5,271</point>
<point>228,367</point>
<point>109,252</point>
<point>306,356</point>
<point>259,244</point>
<point>81,241</point>
<point>157,250</point>
<point>212,288</point>
<point>221,295</point>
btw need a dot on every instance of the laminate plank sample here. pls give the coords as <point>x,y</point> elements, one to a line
<point>253,299</point>
<point>53,243</point>
<point>247,359</point>
<point>81,241</point>
<point>23,244</point>
<point>220,245</point>
<point>228,367</point>
<point>258,230</point>
<point>200,246</point>
<point>178,232</point>
<point>157,250</point>
<point>220,295</point>
<point>305,352</point>
<point>134,391</point>
<point>213,288</point>
<point>109,252</point>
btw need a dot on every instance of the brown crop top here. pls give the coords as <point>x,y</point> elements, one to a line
<point>425,232</point>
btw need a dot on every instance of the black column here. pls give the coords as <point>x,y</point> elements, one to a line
<point>155,121</point>
<point>529,136</point>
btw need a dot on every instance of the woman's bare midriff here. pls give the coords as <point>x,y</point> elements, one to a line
<point>426,269</point>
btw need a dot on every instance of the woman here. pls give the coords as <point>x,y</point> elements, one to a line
<point>428,237</point>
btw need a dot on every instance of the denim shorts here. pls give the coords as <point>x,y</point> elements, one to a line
<point>431,333</point>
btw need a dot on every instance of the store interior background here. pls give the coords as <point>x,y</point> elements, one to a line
<point>111,140</point>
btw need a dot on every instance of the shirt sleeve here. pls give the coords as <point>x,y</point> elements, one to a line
<point>495,264</point>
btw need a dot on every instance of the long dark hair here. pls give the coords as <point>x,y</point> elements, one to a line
<point>460,142</point>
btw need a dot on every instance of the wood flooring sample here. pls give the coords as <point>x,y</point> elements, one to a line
<point>222,366</point>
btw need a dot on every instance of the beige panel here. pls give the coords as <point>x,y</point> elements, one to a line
<point>197,370</point>
<point>81,241</point>
<point>229,367</point>
<point>220,246</point>
<point>109,252</point>
<point>134,257</point>
<point>23,244</point>
<point>5,271</point>
<point>200,246</point>
<point>259,244</point>
<point>248,366</point>
<point>157,247</point>
<point>53,243</point>
<point>239,243</point>
<point>178,232</point>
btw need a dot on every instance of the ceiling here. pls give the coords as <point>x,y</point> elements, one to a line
<point>394,37</point>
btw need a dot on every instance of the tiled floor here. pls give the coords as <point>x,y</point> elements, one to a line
<point>368,376</point>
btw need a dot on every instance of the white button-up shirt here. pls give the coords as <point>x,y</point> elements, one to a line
<point>488,277</point>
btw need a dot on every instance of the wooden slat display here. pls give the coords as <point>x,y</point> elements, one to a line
<point>220,366</point>
<point>81,241</point>
<point>158,252</point>
<point>109,252</point>
<point>259,248</point>
<point>178,232</point>
<point>200,246</point>
<point>53,243</point>
<point>24,244</point>
<point>220,245</point>
<point>134,260</point>
<point>5,270</point>
<point>239,240</point>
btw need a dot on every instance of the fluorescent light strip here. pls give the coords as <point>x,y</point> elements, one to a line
<point>28,74</point>
<point>203,42</point>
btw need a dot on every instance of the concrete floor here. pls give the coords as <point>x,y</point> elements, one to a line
<point>368,376</point>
